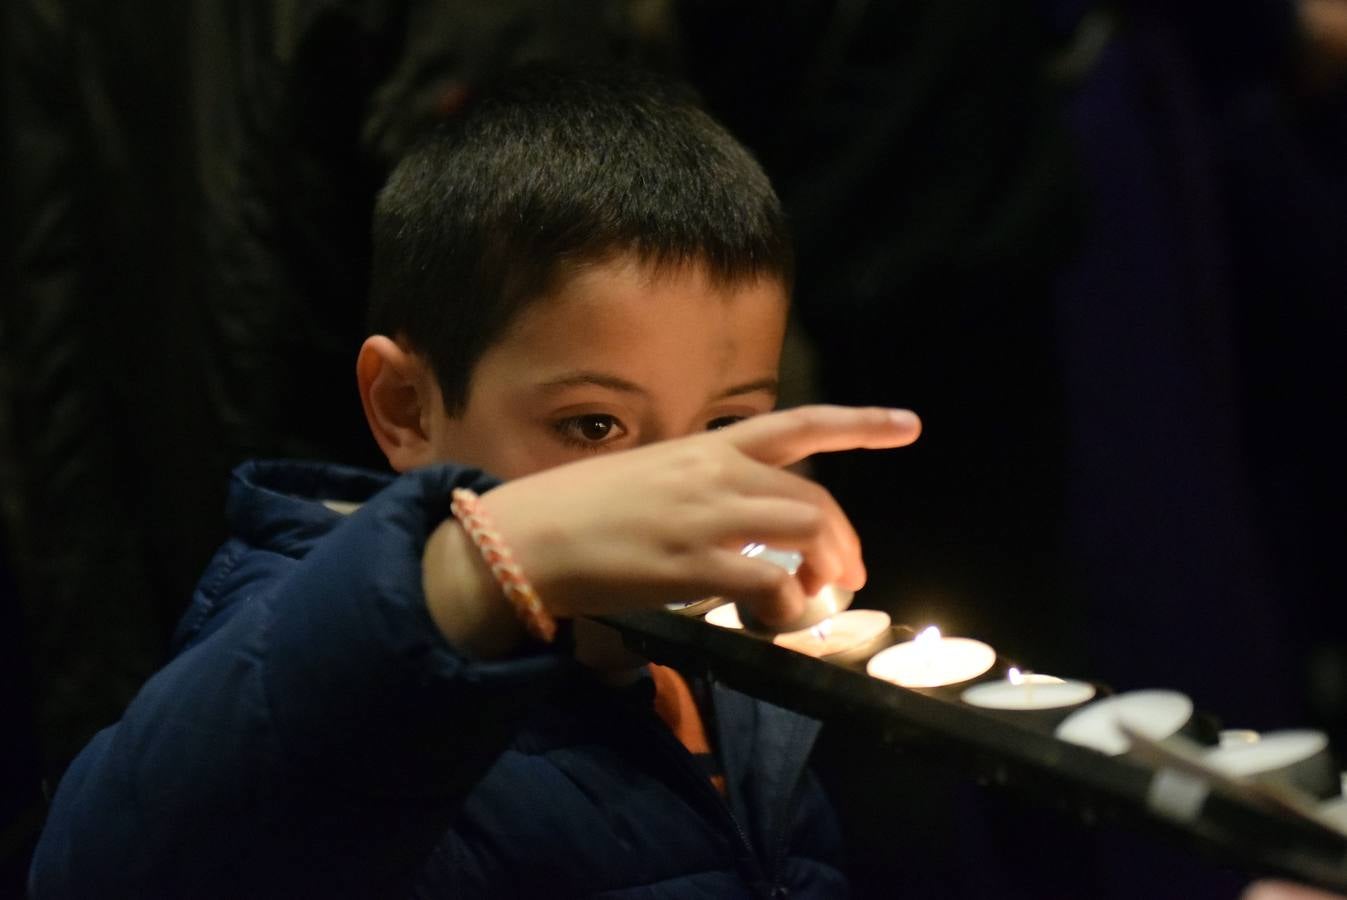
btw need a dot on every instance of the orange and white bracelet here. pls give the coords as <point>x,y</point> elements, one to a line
<point>467,509</point>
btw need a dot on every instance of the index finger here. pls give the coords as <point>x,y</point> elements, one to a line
<point>788,436</point>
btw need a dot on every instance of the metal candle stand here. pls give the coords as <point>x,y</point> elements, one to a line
<point>1157,786</point>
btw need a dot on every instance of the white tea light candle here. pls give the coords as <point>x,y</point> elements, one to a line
<point>1237,737</point>
<point>695,607</point>
<point>1028,692</point>
<point>726,616</point>
<point>790,560</point>
<point>840,635</point>
<point>932,660</point>
<point>829,601</point>
<point>1155,714</point>
<point>1298,758</point>
<point>1334,812</point>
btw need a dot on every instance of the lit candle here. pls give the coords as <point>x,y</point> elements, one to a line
<point>931,660</point>
<point>695,607</point>
<point>1298,758</point>
<point>850,634</point>
<point>1154,714</point>
<point>1028,691</point>
<point>726,616</point>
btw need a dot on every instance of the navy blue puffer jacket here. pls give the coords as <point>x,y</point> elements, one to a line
<point>315,736</point>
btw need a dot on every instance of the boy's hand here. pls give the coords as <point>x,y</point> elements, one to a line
<point>665,522</point>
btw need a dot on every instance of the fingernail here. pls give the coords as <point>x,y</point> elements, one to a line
<point>905,418</point>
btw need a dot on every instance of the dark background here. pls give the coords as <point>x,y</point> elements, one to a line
<point>1101,249</point>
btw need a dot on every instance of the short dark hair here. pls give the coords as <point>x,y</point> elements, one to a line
<point>551,170</point>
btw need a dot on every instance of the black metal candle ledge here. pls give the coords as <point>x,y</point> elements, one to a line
<point>1156,786</point>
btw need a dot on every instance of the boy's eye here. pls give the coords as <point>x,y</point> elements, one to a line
<point>723,422</point>
<point>590,430</point>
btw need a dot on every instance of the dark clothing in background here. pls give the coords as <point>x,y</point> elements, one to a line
<point>1289,224</point>
<point>187,190</point>
<point>921,155</point>
<point>1051,232</point>
<point>192,185</point>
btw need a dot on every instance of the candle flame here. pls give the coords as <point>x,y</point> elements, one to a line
<point>1015,676</point>
<point>929,636</point>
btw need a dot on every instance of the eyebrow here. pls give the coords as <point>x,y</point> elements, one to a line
<point>592,379</point>
<point>613,382</point>
<point>769,385</point>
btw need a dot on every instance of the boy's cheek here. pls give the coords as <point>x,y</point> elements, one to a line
<point>510,455</point>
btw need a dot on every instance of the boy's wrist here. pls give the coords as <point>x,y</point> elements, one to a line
<point>463,597</point>
<point>472,515</point>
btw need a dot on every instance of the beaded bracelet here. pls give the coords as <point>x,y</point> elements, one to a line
<point>467,508</point>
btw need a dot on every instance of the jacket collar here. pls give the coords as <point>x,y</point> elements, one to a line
<point>279,504</point>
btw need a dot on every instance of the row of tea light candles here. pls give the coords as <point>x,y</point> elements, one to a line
<point>930,660</point>
<point>1298,758</point>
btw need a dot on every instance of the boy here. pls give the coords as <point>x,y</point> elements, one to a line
<point>584,263</point>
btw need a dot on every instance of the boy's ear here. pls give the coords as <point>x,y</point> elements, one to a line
<point>399,393</point>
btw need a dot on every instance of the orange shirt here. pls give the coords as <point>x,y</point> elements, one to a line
<point>675,705</point>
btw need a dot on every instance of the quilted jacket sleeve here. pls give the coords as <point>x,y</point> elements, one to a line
<point>315,743</point>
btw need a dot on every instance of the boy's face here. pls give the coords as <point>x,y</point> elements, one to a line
<point>617,358</point>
